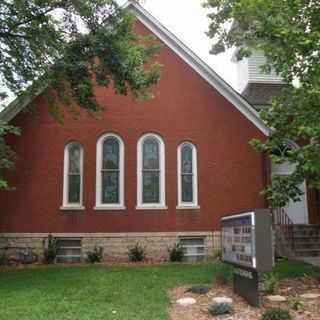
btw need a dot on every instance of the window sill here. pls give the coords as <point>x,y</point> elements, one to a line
<point>187,207</point>
<point>107,208</point>
<point>151,207</point>
<point>72,208</point>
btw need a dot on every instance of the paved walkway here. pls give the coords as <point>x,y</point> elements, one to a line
<point>312,260</point>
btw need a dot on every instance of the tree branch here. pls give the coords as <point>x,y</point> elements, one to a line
<point>36,17</point>
<point>8,35</point>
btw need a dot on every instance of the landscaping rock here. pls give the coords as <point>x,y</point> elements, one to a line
<point>276,298</point>
<point>220,300</point>
<point>186,301</point>
<point>310,296</point>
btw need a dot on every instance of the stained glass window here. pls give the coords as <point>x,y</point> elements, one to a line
<point>151,171</point>
<point>110,170</point>
<point>74,173</point>
<point>186,174</point>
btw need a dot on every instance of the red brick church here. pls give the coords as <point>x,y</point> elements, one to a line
<point>155,172</point>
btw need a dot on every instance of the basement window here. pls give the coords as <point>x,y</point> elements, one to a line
<point>68,250</point>
<point>193,248</point>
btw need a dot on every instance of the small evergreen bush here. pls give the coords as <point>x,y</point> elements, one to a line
<point>216,309</point>
<point>276,314</point>
<point>199,288</point>
<point>96,255</point>
<point>176,253</point>
<point>50,250</point>
<point>270,283</point>
<point>136,253</point>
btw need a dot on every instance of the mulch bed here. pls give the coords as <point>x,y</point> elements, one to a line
<point>242,311</point>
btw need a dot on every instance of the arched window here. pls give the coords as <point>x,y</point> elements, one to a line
<point>73,176</point>
<point>151,172</point>
<point>110,172</point>
<point>187,176</point>
<point>284,149</point>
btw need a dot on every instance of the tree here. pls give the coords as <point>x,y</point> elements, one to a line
<point>288,32</point>
<point>64,48</point>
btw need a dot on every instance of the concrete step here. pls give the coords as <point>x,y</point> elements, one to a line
<point>307,233</point>
<point>303,238</point>
<point>306,240</point>
<point>306,226</point>
<point>311,260</point>
<point>307,252</point>
<point>307,245</point>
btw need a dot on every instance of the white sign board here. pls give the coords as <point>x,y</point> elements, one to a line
<point>238,239</point>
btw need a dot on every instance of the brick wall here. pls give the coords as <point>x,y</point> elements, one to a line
<point>184,108</point>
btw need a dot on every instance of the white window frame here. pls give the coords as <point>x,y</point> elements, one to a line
<point>162,197</point>
<point>59,256</point>
<point>196,246</point>
<point>66,205</point>
<point>182,204</point>
<point>109,206</point>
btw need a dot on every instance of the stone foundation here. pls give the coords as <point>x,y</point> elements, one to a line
<point>10,244</point>
<point>115,245</point>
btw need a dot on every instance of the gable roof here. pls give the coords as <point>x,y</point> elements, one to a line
<point>260,94</point>
<point>186,55</point>
<point>19,104</point>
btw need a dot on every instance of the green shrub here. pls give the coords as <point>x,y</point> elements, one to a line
<point>222,273</point>
<point>4,261</point>
<point>199,288</point>
<point>176,253</point>
<point>96,255</point>
<point>50,250</point>
<point>270,283</point>
<point>295,302</point>
<point>136,253</point>
<point>276,314</point>
<point>220,308</point>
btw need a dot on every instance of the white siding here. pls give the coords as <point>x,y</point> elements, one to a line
<point>249,71</point>
<point>254,73</point>
<point>243,74</point>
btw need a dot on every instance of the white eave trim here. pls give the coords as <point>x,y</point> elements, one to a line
<point>198,65</point>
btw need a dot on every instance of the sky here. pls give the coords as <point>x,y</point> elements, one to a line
<point>188,21</point>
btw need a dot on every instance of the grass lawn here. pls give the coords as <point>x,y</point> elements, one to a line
<point>99,292</point>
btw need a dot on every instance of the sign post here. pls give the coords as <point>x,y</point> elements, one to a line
<point>246,242</point>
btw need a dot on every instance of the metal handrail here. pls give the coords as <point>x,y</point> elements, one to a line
<point>285,224</point>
